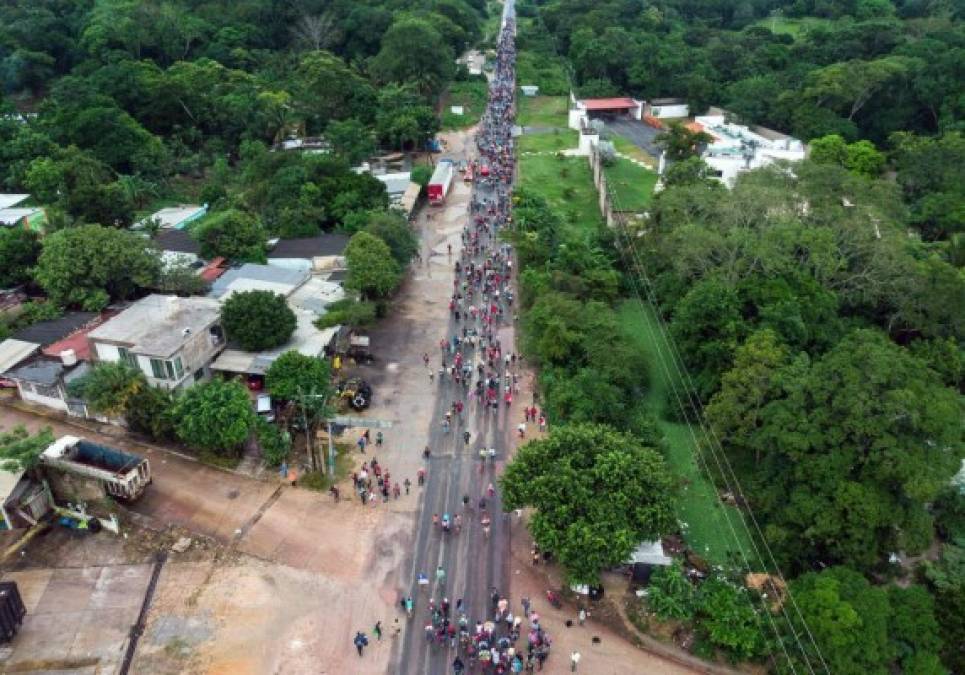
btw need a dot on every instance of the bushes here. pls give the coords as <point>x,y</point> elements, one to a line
<point>348,312</point>
<point>275,444</point>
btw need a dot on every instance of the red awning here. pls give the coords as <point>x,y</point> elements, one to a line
<point>609,103</point>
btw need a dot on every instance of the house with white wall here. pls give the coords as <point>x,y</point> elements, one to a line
<point>171,340</point>
<point>736,148</point>
<point>667,108</point>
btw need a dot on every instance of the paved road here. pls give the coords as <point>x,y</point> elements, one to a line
<point>474,564</point>
<point>641,135</point>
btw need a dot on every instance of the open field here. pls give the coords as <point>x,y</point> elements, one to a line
<point>542,111</point>
<point>631,184</point>
<point>550,141</point>
<point>709,524</point>
<point>566,183</point>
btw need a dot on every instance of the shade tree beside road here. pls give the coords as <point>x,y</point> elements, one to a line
<point>216,416</point>
<point>372,270</point>
<point>597,493</point>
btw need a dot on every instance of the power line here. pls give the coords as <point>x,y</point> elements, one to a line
<point>716,449</point>
<point>716,452</point>
<point>701,461</point>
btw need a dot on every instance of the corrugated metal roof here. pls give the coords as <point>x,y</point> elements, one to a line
<point>609,103</point>
<point>13,352</point>
<point>310,247</point>
<point>7,199</point>
<point>8,481</point>
<point>252,272</point>
<point>48,332</point>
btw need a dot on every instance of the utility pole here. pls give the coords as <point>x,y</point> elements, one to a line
<point>308,436</point>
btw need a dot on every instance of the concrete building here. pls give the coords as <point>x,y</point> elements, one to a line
<point>667,108</point>
<point>171,340</point>
<point>584,110</point>
<point>736,148</point>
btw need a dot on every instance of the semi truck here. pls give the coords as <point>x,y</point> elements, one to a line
<point>440,182</point>
<point>121,474</point>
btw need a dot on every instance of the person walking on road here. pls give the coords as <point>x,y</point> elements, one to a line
<point>574,660</point>
<point>581,617</point>
<point>440,575</point>
<point>377,631</point>
<point>361,642</point>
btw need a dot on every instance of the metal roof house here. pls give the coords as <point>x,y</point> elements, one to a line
<point>42,378</point>
<point>253,277</point>
<point>321,252</point>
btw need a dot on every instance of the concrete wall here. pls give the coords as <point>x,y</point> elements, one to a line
<point>27,394</point>
<point>668,111</point>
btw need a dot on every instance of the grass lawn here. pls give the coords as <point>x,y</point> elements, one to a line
<point>552,141</point>
<point>708,521</point>
<point>566,183</point>
<point>631,184</point>
<point>625,147</point>
<point>471,95</point>
<point>543,111</point>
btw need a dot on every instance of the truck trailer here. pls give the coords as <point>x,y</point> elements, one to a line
<point>440,182</point>
<point>121,474</point>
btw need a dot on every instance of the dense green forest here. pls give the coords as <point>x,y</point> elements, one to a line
<point>818,309</point>
<point>111,104</point>
<point>113,108</point>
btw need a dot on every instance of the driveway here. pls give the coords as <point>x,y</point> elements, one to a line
<point>641,135</point>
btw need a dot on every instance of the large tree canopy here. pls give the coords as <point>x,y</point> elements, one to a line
<point>372,271</point>
<point>216,415</point>
<point>426,67</point>
<point>844,453</point>
<point>257,320</point>
<point>232,234</point>
<point>90,265</point>
<point>564,478</point>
